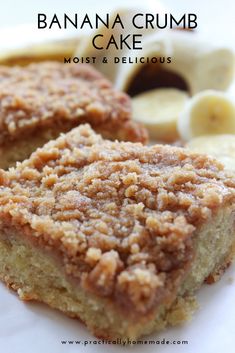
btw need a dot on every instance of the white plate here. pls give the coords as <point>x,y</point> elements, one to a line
<point>33,327</point>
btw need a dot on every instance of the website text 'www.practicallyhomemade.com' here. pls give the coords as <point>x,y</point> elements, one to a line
<point>126,342</point>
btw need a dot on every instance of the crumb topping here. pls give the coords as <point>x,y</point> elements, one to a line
<point>49,94</point>
<point>121,215</point>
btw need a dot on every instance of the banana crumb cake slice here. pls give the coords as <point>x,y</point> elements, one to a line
<point>117,234</point>
<point>39,101</point>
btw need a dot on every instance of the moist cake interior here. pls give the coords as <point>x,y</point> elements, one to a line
<point>98,228</point>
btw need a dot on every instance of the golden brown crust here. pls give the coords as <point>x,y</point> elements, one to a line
<point>121,215</point>
<point>50,94</point>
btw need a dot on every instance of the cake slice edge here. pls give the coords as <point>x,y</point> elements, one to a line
<point>37,275</point>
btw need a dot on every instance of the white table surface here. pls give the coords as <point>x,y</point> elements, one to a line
<point>35,328</point>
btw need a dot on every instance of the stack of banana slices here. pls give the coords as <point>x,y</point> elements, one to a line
<point>207,124</point>
<point>198,114</point>
<point>204,123</point>
<point>182,102</point>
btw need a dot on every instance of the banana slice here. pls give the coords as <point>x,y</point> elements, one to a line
<point>221,147</point>
<point>207,113</point>
<point>158,110</point>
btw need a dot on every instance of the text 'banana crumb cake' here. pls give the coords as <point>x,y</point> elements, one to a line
<point>39,101</point>
<point>115,233</point>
